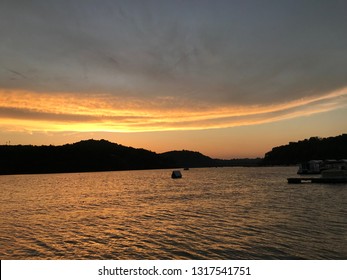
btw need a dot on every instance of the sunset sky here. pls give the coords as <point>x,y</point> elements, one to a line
<point>226,78</point>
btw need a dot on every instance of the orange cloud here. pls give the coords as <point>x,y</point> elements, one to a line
<point>33,111</point>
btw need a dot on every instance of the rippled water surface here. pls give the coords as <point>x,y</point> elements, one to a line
<point>211,213</point>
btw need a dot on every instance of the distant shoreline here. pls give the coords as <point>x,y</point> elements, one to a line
<point>150,169</point>
<point>102,155</point>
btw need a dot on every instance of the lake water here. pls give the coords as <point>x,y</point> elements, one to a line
<point>211,213</point>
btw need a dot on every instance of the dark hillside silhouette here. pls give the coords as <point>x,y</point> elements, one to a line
<point>186,158</point>
<point>89,155</point>
<point>99,155</point>
<point>102,155</point>
<point>308,149</point>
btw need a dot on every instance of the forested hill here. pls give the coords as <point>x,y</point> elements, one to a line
<point>88,155</point>
<point>189,159</point>
<point>308,149</point>
<point>102,155</point>
<point>186,158</point>
<point>99,155</point>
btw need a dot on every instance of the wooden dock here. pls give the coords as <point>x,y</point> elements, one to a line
<point>321,180</point>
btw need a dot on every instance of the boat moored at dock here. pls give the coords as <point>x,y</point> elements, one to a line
<point>317,166</point>
<point>310,167</point>
<point>332,171</point>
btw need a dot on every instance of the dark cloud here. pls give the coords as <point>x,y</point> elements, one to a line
<point>232,52</point>
<point>28,114</point>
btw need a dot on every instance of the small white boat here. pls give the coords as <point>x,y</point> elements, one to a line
<point>176,174</point>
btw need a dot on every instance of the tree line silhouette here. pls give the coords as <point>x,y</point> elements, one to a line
<point>98,155</point>
<point>102,155</point>
<point>308,149</point>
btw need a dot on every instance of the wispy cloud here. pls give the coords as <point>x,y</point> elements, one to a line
<point>67,112</point>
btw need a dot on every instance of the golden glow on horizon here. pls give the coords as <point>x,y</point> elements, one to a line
<point>31,111</point>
